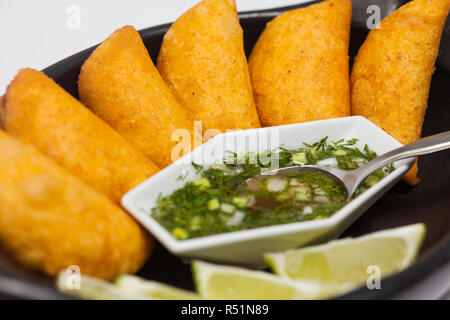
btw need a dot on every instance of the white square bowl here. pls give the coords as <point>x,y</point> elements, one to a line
<point>247,247</point>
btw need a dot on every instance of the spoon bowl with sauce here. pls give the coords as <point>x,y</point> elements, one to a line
<point>349,180</point>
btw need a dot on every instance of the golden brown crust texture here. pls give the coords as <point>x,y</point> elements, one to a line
<point>299,66</point>
<point>122,86</point>
<point>2,108</point>
<point>50,220</point>
<point>40,112</point>
<point>392,72</point>
<point>202,59</point>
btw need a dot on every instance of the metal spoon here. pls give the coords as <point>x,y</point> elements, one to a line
<point>349,180</point>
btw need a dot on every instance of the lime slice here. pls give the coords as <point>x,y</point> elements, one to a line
<point>86,287</point>
<point>152,289</point>
<point>232,283</point>
<point>126,287</point>
<point>351,261</point>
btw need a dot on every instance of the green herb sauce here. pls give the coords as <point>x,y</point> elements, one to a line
<point>218,203</point>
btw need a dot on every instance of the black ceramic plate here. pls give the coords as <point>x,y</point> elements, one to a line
<point>429,202</point>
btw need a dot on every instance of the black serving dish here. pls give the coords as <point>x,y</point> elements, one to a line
<point>429,202</point>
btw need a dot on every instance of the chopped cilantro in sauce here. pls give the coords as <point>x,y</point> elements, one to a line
<point>220,201</point>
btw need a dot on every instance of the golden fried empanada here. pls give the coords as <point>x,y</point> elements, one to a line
<point>50,220</point>
<point>392,72</point>
<point>122,86</point>
<point>40,112</point>
<point>202,59</point>
<point>299,66</point>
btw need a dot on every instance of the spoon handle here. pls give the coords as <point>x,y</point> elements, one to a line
<point>420,147</point>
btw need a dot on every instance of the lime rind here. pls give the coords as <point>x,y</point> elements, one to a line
<point>423,233</point>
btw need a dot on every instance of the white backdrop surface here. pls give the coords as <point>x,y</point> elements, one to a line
<point>38,33</point>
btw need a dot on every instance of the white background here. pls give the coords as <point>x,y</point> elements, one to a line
<point>34,33</point>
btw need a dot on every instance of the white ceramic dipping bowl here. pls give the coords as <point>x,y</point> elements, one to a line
<point>247,247</point>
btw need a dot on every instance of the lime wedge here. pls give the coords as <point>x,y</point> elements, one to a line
<point>152,289</point>
<point>126,287</point>
<point>351,260</point>
<point>232,283</point>
<point>86,287</point>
